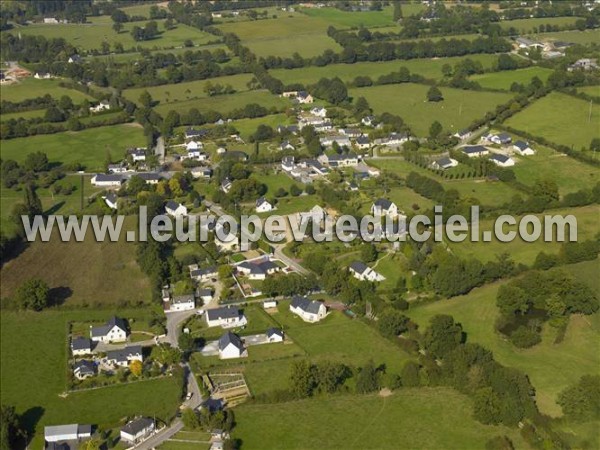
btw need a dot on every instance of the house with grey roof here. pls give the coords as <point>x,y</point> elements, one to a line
<point>475,151</point>
<point>308,310</point>
<point>231,346</point>
<point>362,272</point>
<point>258,269</point>
<point>502,160</point>
<point>523,148</point>
<point>501,138</point>
<point>444,163</point>
<point>225,317</point>
<point>274,335</point>
<point>137,430</point>
<point>183,303</point>
<point>81,346</point>
<point>84,369</point>
<point>123,357</point>
<point>175,209</point>
<point>384,207</point>
<point>115,330</point>
<point>203,274</point>
<point>204,294</point>
<point>111,200</point>
<point>107,180</point>
<point>263,205</point>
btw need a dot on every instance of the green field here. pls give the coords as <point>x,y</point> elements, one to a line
<point>410,418</point>
<point>90,35</point>
<point>503,80</point>
<point>33,114</point>
<point>590,90</point>
<point>88,147</point>
<point>172,93</point>
<point>577,127</point>
<point>429,68</point>
<point>346,19</point>
<point>551,367</point>
<point>284,36</point>
<point>96,274</point>
<point>31,88</point>
<point>458,109</point>
<point>226,103</point>
<point>576,37</point>
<point>34,365</point>
<point>524,26</point>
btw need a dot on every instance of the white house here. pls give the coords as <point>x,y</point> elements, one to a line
<point>463,134</point>
<point>175,209</point>
<point>231,346</point>
<point>274,335</point>
<point>383,206</point>
<point>74,59</point>
<point>502,160</point>
<point>201,172</point>
<point>202,274</point>
<point>137,430</point>
<point>269,304</point>
<point>308,310</point>
<point>204,294</point>
<point>226,185</point>
<point>341,140</point>
<point>137,154</point>
<point>225,317</point>
<point>84,369</point>
<point>523,148</point>
<point>304,97</point>
<point>345,160</point>
<point>285,145</point>
<point>104,105</point>
<point>183,302</point>
<point>81,346</point>
<point>107,180</point>
<point>368,121</point>
<point>117,168</point>
<point>288,163</point>
<point>123,357</point>
<point>262,205</point>
<point>42,76</point>
<point>115,330</point>
<point>362,272</point>
<point>111,200</point>
<point>475,151</point>
<point>444,163</point>
<point>319,111</point>
<point>258,269</point>
<point>149,177</point>
<point>197,154</point>
<point>500,138</point>
<point>194,145</point>
<point>66,433</point>
<point>363,142</point>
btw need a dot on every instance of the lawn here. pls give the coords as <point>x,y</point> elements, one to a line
<point>418,418</point>
<point>524,26</point>
<point>429,68</point>
<point>503,80</point>
<point>457,111</point>
<point>526,252</point>
<point>31,88</point>
<point>226,103</point>
<point>87,147</point>
<point>550,367</point>
<point>347,19</point>
<point>90,35</point>
<point>180,92</point>
<point>576,37</point>
<point>34,364</point>
<point>290,205</point>
<point>577,128</point>
<point>284,36</point>
<point>86,273</point>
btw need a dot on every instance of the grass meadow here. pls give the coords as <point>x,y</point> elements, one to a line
<point>559,118</point>
<point>590,90</point>
<point>503,80</point>
<point>87,147</point>
<point>367,422</point>
<point>458,109</point>
<point>31,88</point>
<point>429,68</point>
<point>551,367</point>
<point>525,26</point>
<point>576,37</point>
<point>347,19</point>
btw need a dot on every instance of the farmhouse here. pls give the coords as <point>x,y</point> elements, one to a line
<point>137,430</point>
<point>262,205</point>
<point>383,206</point>
<point>175,209</point>
<point>69,435</point>
<point>584,64</point>
<point>225,317</point>
<point>124,356</point>
<point>81,346</point>
<point>362,272</point>
<point>475,151</point>
<point>274,335</point>
<point>107,180</point>
<point>501,138</point>
<point>258,269</point>
<point>523,148</point>
<point>202,274</point>
<point>444,163</point>
<point>502,160</point>
<point>111,200</point>
<point>194,145</point>
<point>308,310</point>
<point>183,302</point>
<point>115,330</point>
<point>84,369</point>
<point>231,346</point>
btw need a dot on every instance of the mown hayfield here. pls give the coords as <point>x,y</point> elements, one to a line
<point>31,88</point>
<point>422,418</point>
<point>503,80</point>
<point>526,252</point>
<point>551,367</point>
<point>577,127</point>
<point>575,36</point>
<point>87,147</point>
<point>284,36</point>
<point>226,103</point>
<point>590,90</point>
<point>88,272</point>
<point>569,174</point>
<point>429,68</point>
<point>34,369</point>
<point>524,26</point>
<point>348,19</point>
<point>180,92</point>
<point>458,109</point>
<point>90,35</point>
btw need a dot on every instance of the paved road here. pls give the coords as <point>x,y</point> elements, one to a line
<point>278,254</point>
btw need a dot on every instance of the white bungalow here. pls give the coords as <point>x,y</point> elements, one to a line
<point>308,310</point>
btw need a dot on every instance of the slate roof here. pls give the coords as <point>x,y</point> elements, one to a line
<point>274,332</point>
<point>137,425</point>
<point>203,292</point>
<point>358,266</point>
<point>384,203</point>
<point>443,162</point>
<point>81,343</point>
<point>85,367</point>
<point>148,176</point>
<point>230,338</point>
<point>121,355</point>
<point>500,158</point>
<point>222,313</point>
<point>522,145</point>
<point>474,149</point>
<point>109,177</point>
<point>183,298</point>
<point>111,197</point>
<point>104,329</point>
<point>260,201</point>
<point>305,304</point>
